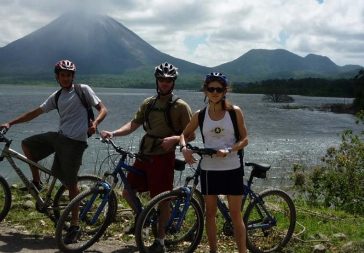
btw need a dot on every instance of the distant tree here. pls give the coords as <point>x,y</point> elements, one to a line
<point>276,93</point>
<point>278,98</point>
<point>359,91</point>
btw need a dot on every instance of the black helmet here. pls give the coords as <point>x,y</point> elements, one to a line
<point>64,65</point>
<point>216,76</point>
<point>166,70</point>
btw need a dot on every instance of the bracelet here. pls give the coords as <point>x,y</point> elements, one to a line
<point>181,147</point>
<point>112,134</point>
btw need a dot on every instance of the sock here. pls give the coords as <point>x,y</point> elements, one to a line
<point>161,241</point>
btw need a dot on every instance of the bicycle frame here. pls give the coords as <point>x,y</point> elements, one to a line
<point>10,155</point>
<point>107,188</point>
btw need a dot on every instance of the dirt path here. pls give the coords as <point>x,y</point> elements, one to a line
<point>14,240</point>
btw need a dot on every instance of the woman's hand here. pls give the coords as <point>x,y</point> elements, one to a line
<point>222,152</point>
<point>187,154</point>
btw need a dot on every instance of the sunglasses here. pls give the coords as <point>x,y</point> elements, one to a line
<point>217,89</point>
<point>166,80</point>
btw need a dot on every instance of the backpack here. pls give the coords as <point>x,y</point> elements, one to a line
<point>82,97</point>
<point>201,118</point>
<point>167,113</point>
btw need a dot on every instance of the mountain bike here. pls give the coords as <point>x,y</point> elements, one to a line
<point>269,216</point>
<point>51,199</point>
<point>98,205</point>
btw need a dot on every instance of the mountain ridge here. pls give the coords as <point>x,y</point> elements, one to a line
<point>100,45</point>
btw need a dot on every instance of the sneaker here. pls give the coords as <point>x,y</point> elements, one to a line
<point>156,247</point>
<point>38,185</point>
<point>73,234</point>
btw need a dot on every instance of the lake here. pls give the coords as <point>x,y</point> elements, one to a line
<point>280,137</point>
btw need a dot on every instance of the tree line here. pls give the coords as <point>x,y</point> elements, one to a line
<point>351,88</point>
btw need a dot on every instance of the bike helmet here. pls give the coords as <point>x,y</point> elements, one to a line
<point>166,70</point>
<point>216,76</point>
<point>64,65</point>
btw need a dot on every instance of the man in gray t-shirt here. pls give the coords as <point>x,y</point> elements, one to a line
<point>70,141</point>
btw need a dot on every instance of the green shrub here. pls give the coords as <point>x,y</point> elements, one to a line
<point>339,181</point>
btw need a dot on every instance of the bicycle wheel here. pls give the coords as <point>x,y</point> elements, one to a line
<point>5,198</point>
<point>270,222</point>
<point>183,239</point>
<point>92,222</point>
<point>61,199</point>
<point>108,164</point>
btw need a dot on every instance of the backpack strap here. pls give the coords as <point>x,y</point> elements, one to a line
<point>81,94</point>
<point>56,97</point>
<point>167,113</point>
<point>151,103</point>
<point>201,118</point>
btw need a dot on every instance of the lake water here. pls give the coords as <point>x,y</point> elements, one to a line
<point>277,136</point>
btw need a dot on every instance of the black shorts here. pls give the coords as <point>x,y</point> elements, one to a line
<point>227,182</point>
<point>67,158</point>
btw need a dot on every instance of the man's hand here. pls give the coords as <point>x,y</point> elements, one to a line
<point>169,143</point>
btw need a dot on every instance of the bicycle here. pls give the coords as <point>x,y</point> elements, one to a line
<point>46,201</point>
<point>98,205</point>
<point>269,217</point>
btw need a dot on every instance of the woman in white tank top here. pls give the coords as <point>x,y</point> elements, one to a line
<point>222,173</point>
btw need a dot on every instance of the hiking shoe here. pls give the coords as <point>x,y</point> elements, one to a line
<point>73,234</point>
<point>38,185</point>
<point>156,247</point>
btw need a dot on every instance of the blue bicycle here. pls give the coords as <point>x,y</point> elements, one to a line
<point>269,216</point>
<point>98,205</point>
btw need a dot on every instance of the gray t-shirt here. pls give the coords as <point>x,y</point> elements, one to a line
<point>73,115</point>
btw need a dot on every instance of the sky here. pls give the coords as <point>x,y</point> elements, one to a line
<point>213,32</point>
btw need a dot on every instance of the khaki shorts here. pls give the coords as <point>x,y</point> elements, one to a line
<point>67,157</point>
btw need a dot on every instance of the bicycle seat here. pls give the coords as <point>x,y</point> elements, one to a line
<point>259,169</point>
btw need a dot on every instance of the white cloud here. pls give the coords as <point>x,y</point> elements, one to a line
<point>214,32</point>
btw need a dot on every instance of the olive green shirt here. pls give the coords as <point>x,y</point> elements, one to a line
<point>157,129</point>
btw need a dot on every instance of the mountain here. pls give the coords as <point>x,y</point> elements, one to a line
<point>97,44</point>
<point>260,64</point>
<point>104,50</point>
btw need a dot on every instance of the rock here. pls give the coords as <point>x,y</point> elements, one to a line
<point>340,236</point>
<point>351,247</point>
<point>28,204</point>
<point>319,248</point>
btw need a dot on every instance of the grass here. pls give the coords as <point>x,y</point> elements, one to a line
<point>336,230</point>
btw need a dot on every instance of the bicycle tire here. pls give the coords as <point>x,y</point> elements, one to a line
<point>5,198</point>
<point>275,236</point>
<point>61,198</point>
<point>90,233</point>
<point>184,240</point>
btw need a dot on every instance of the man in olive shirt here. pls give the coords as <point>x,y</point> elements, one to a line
<point>163,117</point>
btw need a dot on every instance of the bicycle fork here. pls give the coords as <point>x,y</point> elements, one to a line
<point>106,189</point>
<point>177,216</point>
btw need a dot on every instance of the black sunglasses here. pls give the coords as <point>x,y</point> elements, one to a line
<point>165,79</point>
<point>217,89</point>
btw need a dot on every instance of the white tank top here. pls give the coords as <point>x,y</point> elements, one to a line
<point>219,135</point>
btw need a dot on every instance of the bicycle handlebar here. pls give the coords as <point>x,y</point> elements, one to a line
<point>119,149</point>
<point>3,131</point>
<point>201,151</point>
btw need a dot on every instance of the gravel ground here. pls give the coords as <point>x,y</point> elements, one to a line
<point>14,240</point>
